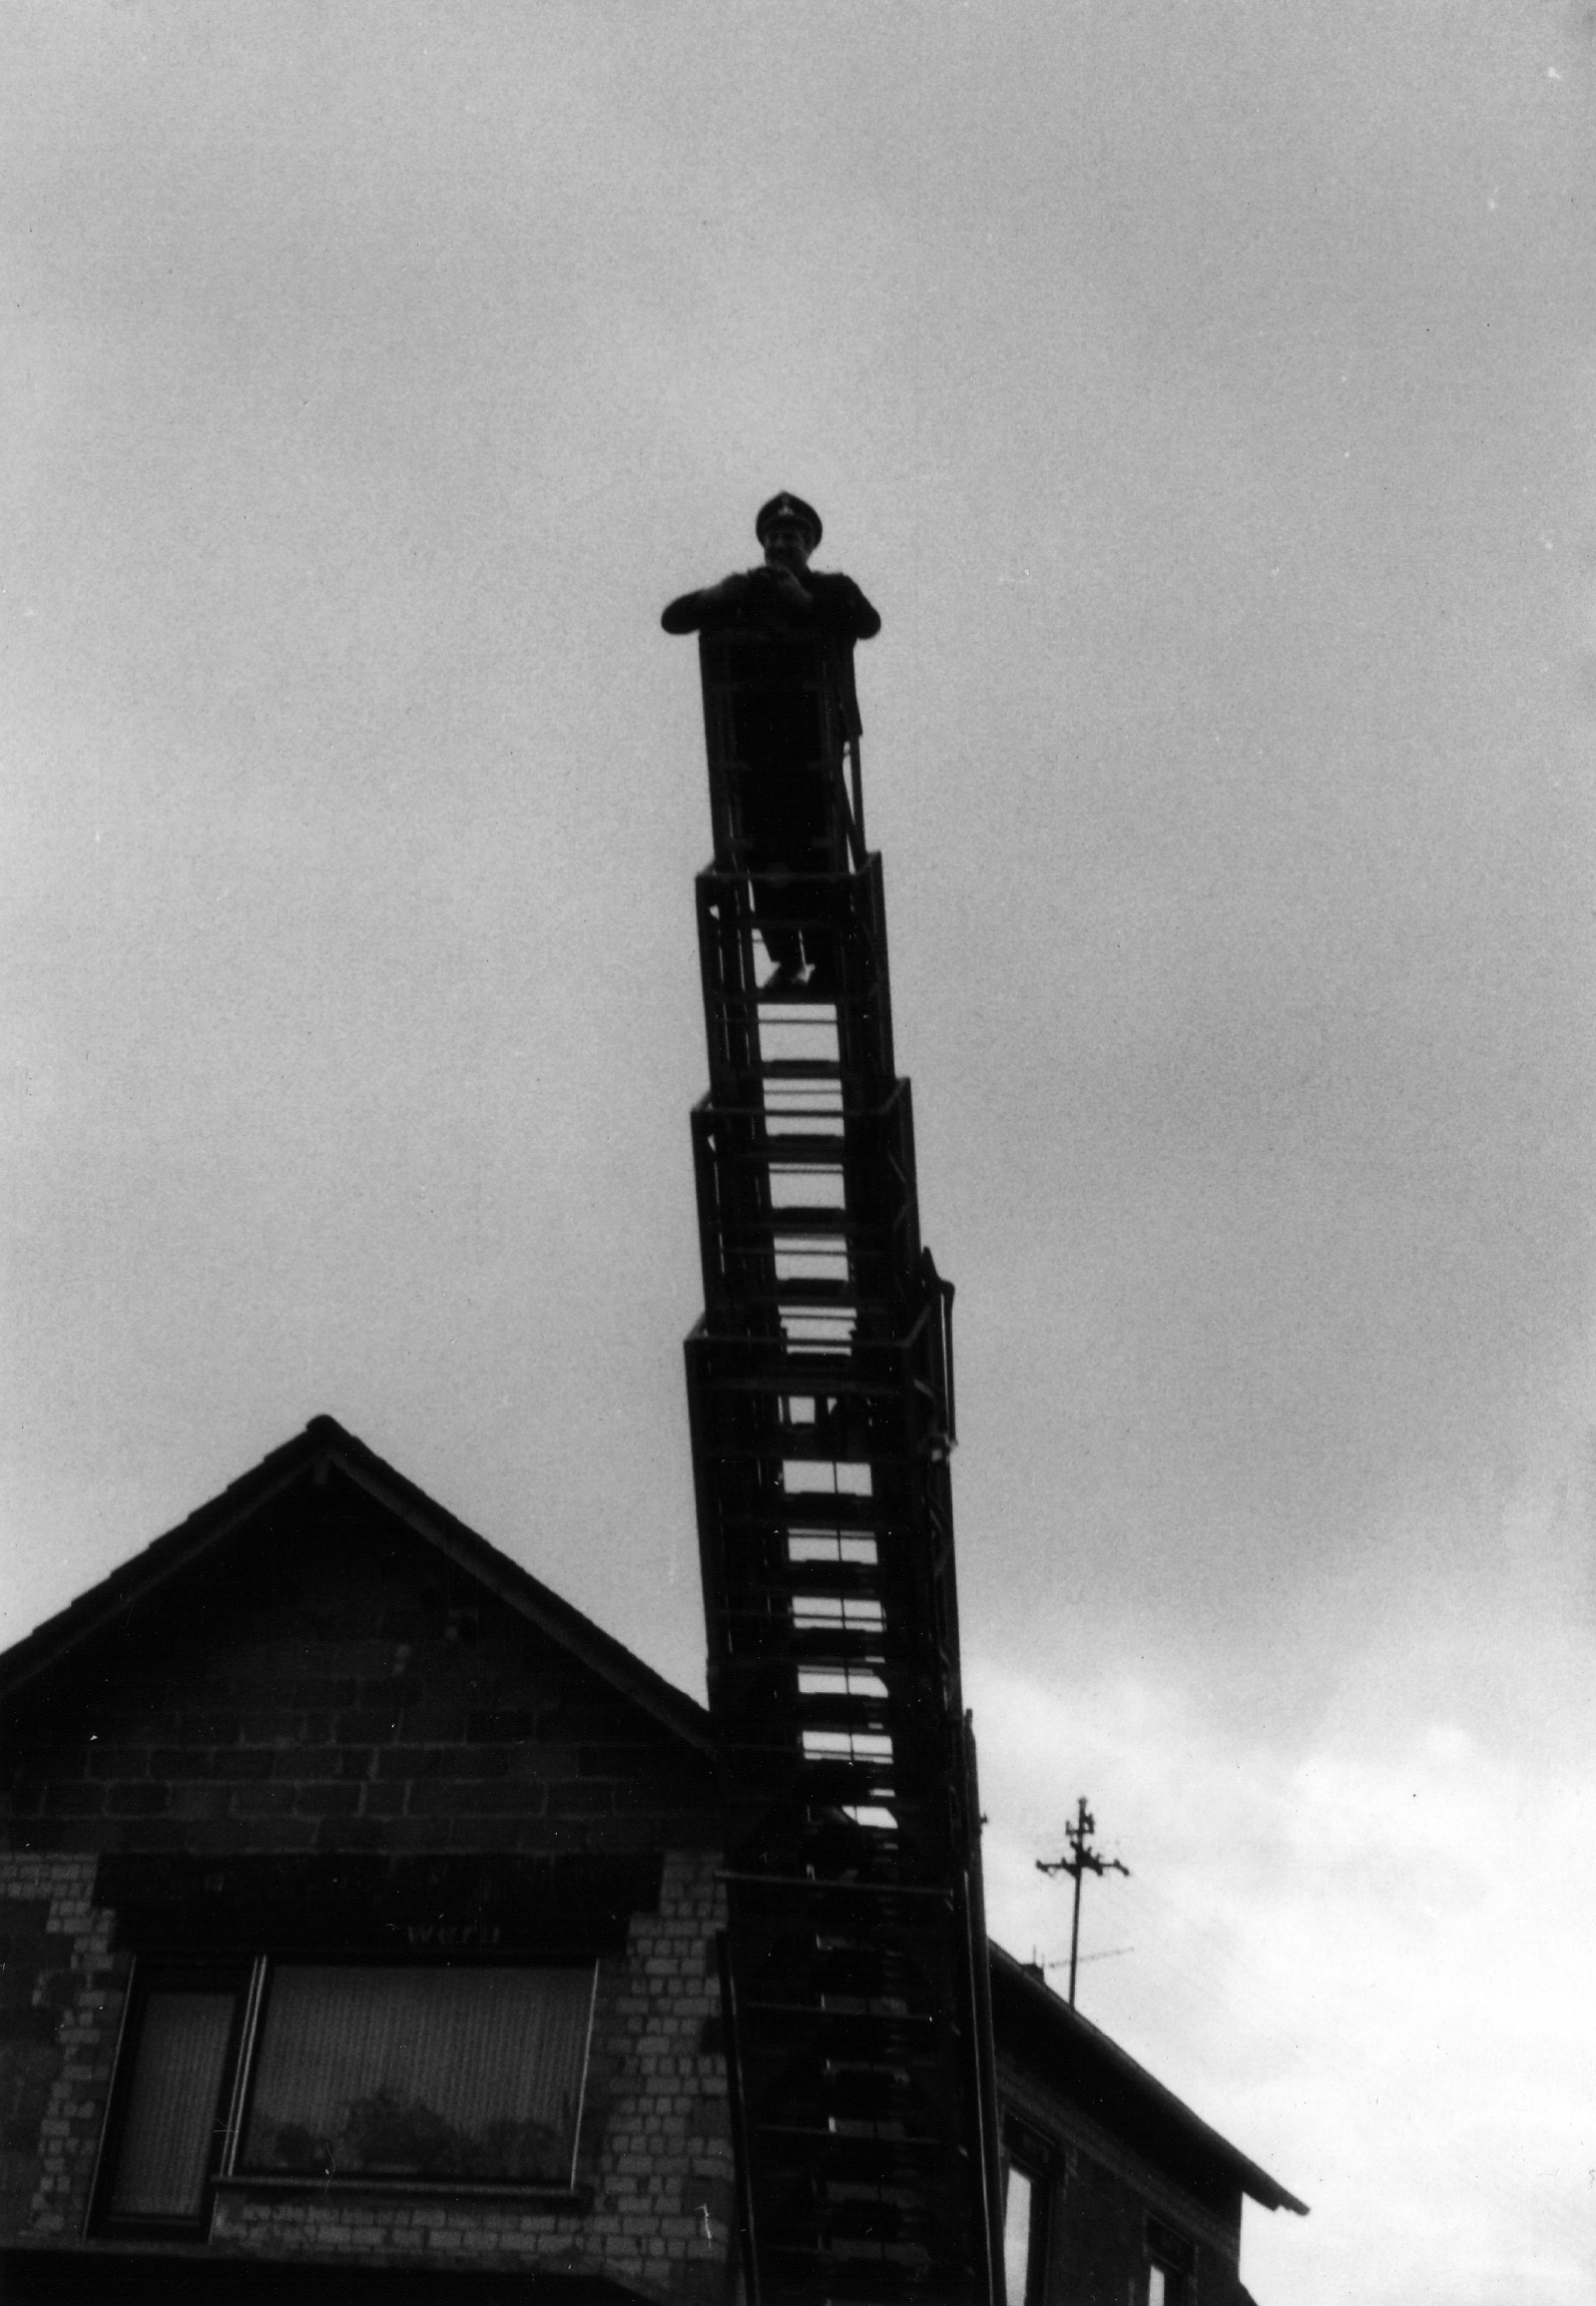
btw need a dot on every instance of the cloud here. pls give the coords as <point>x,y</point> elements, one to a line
<point>1367,1962</point>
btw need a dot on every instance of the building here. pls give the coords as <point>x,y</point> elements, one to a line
<point>1114,2190</point>
<point>362,1938</point>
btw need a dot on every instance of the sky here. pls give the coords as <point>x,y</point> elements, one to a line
<point>1203,391</point>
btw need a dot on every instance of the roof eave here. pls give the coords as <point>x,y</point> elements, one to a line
<point>1254,2182</point>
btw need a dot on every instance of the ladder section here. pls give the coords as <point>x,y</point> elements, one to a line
<point>822,1401</point>
<point>849,2101</point>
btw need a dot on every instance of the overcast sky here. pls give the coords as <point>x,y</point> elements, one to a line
<point>1203,391</point>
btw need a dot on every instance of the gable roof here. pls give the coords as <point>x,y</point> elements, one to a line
<point>324,1448</point>
<point>1109,2083</point>
<point>1025,2009</point>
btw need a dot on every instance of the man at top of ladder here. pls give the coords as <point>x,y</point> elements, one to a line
<point>783,811</point>
<point>785,595</point>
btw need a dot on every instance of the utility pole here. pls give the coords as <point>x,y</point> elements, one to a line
<point>1082,1859</point>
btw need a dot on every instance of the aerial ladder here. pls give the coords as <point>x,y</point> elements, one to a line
<point>821,1388</point>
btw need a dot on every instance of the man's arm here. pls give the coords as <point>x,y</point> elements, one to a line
<point>715,604</point>
<point>841,608</point>
<point>829,604</point>
<point>825,603</point>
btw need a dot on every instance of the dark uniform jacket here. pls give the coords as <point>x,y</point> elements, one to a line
<point>840,612</point>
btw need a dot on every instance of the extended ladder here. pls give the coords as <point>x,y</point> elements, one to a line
<point>820,1387</point>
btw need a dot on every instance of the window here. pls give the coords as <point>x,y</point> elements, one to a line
<point>419,2073</point>
<point>464,2075</point>
<point>1025,2204</point>
<point>1018,2209</point>
<point>170,2112</point>
<point>1172,2261</point>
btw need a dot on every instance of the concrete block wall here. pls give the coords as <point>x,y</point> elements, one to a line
<point>666,2196</point>
<point>339,1691</point>
<point>59,2000</point>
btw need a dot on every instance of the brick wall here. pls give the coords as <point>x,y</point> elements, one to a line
<point>340,1689</point>
<point>336,1687</point>
<point>57,1988</point>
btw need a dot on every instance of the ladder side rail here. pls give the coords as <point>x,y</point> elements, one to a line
<point>984,2039</point>
<point>738,2116</point>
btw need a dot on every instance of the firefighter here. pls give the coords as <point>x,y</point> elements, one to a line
<point>784,813</point>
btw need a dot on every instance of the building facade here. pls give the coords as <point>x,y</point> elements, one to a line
<point>361,1927</point>
<point>1114,2190</point>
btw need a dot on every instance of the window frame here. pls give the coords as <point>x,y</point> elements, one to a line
<point>1037,2159</point>
<point>1174,2255</point>
<point>249,1977</point>
<point>152,1974</point>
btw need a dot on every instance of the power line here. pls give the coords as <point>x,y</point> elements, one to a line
<point>1080,1860</point>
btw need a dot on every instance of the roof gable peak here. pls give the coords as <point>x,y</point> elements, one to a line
<point>324,1449</point>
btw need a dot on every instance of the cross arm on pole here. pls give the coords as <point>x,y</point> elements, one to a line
<point>1079,1860</point>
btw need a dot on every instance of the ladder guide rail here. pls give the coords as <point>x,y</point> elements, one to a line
<point>820,1397</point>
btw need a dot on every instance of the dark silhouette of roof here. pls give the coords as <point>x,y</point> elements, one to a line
<point>324,1447</point>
